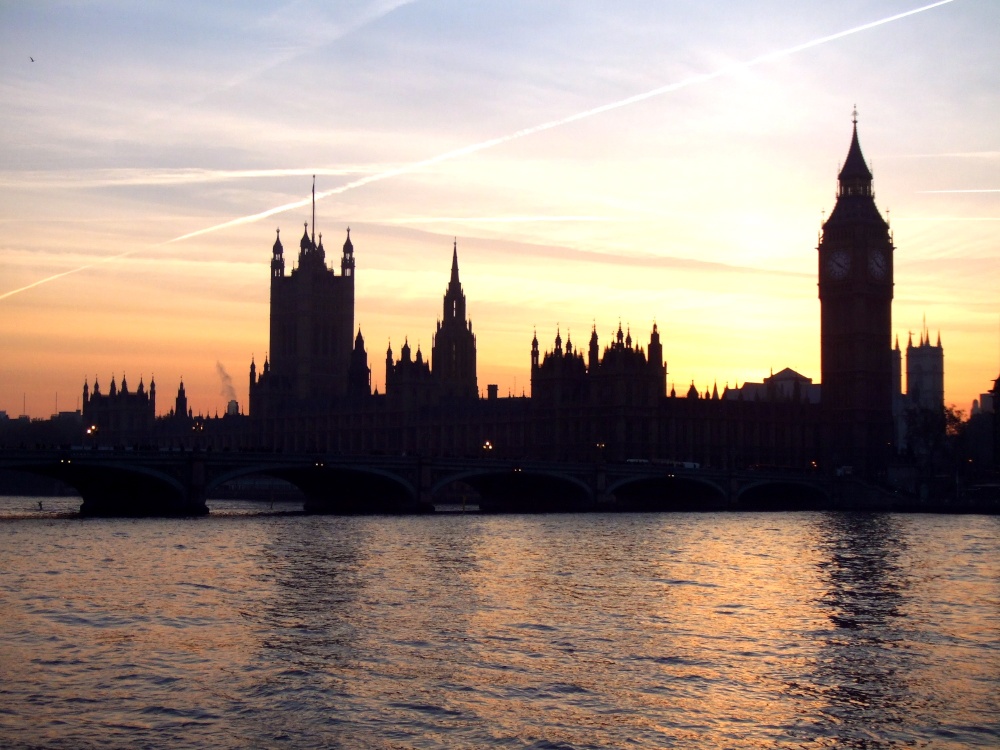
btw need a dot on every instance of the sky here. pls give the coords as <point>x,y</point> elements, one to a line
<point>596,162</point>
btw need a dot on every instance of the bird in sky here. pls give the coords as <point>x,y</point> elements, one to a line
<point>31,58</point>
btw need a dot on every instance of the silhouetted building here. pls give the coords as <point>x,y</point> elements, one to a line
<point>786,385</point>
<point>855,291</point>
<point>919,411</point>
<point>453,354</point>
<point>408,380</point>
<point>314,391</point>
<point>996,423</point>
<point>359,375</point>
<point>925,372</point>
<point>119,416</point>
<point>311,330</point>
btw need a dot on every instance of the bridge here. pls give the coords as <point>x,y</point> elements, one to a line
<point>177,483</point>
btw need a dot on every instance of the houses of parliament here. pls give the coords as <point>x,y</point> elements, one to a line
<point>604,400</point>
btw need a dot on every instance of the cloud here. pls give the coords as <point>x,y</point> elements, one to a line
<point>375,10</point>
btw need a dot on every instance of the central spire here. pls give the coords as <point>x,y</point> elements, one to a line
<point>454,262</point>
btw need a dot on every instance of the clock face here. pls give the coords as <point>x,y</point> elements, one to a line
<point>878,264</point>
<point>838,265</point>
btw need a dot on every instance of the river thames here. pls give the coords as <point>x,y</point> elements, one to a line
<point>739,630</point>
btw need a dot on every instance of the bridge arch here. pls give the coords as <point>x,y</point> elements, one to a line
<point>337,489</point>
<point>112,488</point>
<point>668,492</point>
<point>782,494</point>
<point>522,490</point>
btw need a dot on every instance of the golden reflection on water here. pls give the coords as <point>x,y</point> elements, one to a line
<point>648,630</point>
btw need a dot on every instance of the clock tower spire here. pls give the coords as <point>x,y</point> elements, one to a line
<point>855,291</point>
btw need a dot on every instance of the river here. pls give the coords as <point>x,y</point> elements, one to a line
<point>280,630</point>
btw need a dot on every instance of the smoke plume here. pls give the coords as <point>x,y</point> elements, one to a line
<point>227,383</point>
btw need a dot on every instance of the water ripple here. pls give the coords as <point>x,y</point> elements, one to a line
<point>738,630</point>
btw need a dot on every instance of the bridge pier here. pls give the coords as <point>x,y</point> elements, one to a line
<point>132,494</point>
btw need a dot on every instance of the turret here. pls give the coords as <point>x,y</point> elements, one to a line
<point>181,404</point>
<point>347,261</point>
<point>594,353</point>
<point>277,257</point>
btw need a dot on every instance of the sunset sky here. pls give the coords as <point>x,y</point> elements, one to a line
<point>138,125</point>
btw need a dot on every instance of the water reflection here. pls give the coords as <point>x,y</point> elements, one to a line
<point>646,631</point>
<point>864,681</point>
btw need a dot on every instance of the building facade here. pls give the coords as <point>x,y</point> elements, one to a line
<point>119,416</point>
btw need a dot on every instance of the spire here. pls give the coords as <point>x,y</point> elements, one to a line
<point>855,176</point>
<point>454,262</point>
<point>314,210</point>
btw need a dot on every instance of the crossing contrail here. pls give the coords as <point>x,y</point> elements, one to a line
<point>523,133</point>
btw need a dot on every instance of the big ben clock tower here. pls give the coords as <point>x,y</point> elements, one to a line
<point>855,292</point>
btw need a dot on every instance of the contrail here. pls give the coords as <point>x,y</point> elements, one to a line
<point>493,142</point>
<point>938,192</point>
<point>46,280</point>
<point>497,219</point>
<point>524,132</point>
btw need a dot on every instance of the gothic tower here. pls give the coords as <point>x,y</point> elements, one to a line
<point>312,324</point>
<point>453,356</point>
<point>855,292</point>
<point>925,373</point>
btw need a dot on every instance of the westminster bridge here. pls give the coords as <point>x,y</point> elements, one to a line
<point>176,483</point>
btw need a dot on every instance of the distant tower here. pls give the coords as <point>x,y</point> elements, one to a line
<point>925,373</point>
<point>181,403</point>
<point>360,376</point>
<point>594,352</point>
<point>855,291</point>
<point>312,324</point>
<point>453,355</point>
<point>657,366</point>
